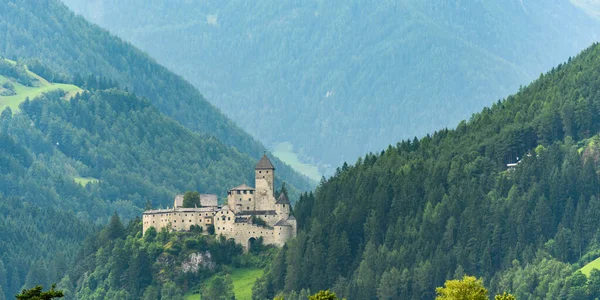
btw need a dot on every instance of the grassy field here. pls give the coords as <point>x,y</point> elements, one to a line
<point>40,86</point>
<point>285,152</point>
<point>83,181</point>
<point>243,280</point>
<point>595,264</point>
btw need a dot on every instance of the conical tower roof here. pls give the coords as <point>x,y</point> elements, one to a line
<point>282,199</point>
<point>264,164</point>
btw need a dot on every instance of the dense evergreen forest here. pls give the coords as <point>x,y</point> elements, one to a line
<point>326,74</point>
<point>47,31</point>
<point>402,221</point>
<point>66,165</point>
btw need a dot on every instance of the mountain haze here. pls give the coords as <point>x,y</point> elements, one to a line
<point>341,78</point>
<point>50,33</point>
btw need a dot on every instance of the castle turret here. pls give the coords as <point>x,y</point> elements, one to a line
<point>265,170</point>
<point>282,206</point>
<point>265,176</point>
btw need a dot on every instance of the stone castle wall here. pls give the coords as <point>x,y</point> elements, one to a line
<point>178,219</point>
<point>235,219</point>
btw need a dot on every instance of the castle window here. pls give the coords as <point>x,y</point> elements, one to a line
<point>259,172</point>
<point>186,215</point>
<point>248,207</point>
<point>249,199</point>
<point>228,219</point>
<point>267,172</point>
<point>190,221</point>
<point>239,192</point>
<point>245,192</point>
<point>251,192</point>
<point>284,205</point>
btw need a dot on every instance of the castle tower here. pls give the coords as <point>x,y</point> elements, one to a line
<point>265,170</point>
<point>264,184</point>
<point>282,206</point>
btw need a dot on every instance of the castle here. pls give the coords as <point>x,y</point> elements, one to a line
<point>240,218</point>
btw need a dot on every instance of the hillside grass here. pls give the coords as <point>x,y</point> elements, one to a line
<point>587,269</point>
<point>243,280</point>
<point>41,86</point>
<point>285,152</point>
<point>83,181</point>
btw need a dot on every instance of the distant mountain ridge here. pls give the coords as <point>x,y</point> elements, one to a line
<point>341,78</point>
<point>49,32</point>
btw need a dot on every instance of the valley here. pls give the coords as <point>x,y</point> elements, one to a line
<point>104,151</point>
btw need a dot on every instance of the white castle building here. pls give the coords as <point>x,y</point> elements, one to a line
<point>237,219</point>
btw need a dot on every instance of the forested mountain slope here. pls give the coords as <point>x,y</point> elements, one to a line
<point>341,78</point>
<point>68,163</point>
<point>396,224</point>
<point>48,31</point>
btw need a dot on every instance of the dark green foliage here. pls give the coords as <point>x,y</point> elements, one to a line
<point>220,288</point>
<point>258,221</point>
<point>36,293</point>
<point>424,210</point>
<point>211,229</point>
<point>191,199</point>
<point>115,229</point>
<point>15,71</point>
<point>341,78</point>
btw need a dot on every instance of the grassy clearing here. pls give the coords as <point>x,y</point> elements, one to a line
<point>41,86</point>
<point>243,280</point>
<point>285,152</point>
<point>24,92</point>
<point>595,264</point>
<point>83,181</point>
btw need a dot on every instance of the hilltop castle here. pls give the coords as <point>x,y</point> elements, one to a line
<point>236,220</point>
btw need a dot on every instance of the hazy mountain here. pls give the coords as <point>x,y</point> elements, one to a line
<point>49,32</point>
<point>341,78</point>
<point>397,224</point>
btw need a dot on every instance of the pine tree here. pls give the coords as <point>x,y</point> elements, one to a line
<point>36,293</point>
<point>115,229</point>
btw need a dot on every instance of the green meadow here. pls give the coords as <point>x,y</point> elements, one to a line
<point>243,280</point>
<point>39,87</point>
